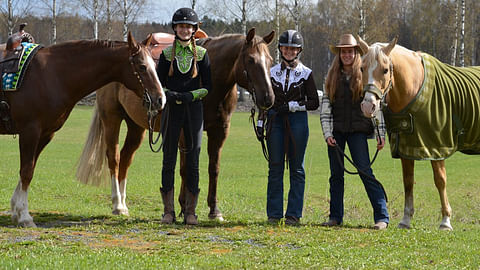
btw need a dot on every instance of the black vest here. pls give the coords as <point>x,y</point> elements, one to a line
<point>347,114</point>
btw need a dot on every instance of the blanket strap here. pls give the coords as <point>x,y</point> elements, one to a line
<point>460,131</point>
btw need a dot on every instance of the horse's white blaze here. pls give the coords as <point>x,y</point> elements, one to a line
<point>19,207</point>
<point>371,68</point>
<point>152,68</point>
<point>265,69</point>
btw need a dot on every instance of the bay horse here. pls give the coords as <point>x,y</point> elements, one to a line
<point>235,59</point>
<point>57,78</point>
<point>432,112</point>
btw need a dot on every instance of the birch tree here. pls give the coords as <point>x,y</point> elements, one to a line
<point>11,12</point>
<point>129,9</point>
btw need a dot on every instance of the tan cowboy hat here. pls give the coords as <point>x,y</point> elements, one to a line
<point>346,41</point>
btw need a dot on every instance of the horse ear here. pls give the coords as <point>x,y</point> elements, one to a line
<point>387,50</point>
<point>268,38</point>
<point>363,45</point>
<point>148,40</point>
<point>251,34</point>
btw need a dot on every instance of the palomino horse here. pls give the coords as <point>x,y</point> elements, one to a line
<point>432,112</point>
<point>57,78</point>
<point>235,59</point>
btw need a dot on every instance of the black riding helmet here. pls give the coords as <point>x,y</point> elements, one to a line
<point>185,15</point>
<point>290,38</point>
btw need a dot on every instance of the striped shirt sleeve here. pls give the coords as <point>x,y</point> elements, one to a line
<point>326,117</point>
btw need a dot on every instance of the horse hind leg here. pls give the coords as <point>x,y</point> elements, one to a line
<point>440,177</point>
<point>408,182</point>
<point>132,142</point>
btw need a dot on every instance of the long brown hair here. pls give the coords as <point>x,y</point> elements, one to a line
<point>335,73</point>
<point>194,47</point>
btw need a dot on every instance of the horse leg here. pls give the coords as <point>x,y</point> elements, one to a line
<point>216,139</point>
<point>440,177</point>
<point>133,140</point>
<point>112,130</point>
<point>408,181</point>
<point>30,148</point>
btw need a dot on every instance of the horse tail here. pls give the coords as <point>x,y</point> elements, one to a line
<point>92,166</point>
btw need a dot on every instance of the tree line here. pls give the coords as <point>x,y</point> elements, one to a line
<point>447,29</point>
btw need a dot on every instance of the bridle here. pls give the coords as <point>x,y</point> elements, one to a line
<point>260,123</point>
<point>371,88</point>
<point>147,102</point>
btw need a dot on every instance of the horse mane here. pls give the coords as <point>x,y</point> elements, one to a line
<point>378,53</point>
<point>239,39</point>
<point>70,46</point>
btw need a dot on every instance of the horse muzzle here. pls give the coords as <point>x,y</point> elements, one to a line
<point>370,105</point>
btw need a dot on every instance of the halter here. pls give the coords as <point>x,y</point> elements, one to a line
<point>147,99</point>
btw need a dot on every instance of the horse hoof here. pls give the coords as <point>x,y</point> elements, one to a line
<point>121,212</point>
<point>27,224</point>
<point>444,227</point>
<point>403,226</point>
<point>217,217</point>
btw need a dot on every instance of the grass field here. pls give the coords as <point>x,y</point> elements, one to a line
<point>77,231</point>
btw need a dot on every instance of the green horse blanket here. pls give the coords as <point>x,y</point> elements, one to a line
<point>444,116</point>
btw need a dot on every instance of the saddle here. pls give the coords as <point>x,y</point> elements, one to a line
<point>10,58</point>
<point>162,40</point>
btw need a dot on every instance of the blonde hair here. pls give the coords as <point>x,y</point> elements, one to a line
<point>335,72</point>
<point>194,71</point>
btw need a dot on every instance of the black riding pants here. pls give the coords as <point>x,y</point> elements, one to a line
<point>188,117</point>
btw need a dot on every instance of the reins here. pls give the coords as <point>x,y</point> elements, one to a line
<point>340,153</point>
<point>151,114</point>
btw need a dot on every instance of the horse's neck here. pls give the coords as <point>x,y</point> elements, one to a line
<point>223,57</point>
<point>408,77</point>
<point>87,68</point>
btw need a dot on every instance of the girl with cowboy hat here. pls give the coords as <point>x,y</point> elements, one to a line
<point>343,123</point>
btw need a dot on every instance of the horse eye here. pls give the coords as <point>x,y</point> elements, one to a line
<point>385,71</point>
<point>143,68</point>
<point>361,69</point>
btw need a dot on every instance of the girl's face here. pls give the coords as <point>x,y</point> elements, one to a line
<point>289,53</point>
<point>184,30</point>
<point>347,56</point>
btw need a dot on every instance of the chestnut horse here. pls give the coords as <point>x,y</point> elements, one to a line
<point>235,59</point>
<point>57,78</point>
<point>432,112</point>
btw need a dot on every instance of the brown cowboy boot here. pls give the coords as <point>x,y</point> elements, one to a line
<point>190,205</point>
<point>168,216</point>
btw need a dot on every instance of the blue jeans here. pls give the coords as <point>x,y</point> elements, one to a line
<point>357,143</point>
<point>297,144</point>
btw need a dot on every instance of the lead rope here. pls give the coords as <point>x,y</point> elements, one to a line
<point>340,153</point>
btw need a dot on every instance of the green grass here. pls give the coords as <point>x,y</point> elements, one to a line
<point>77,230</point>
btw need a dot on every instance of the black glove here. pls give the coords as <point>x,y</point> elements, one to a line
<point>172,96</point>
<point>259,134</point>
<point>185,97</point>
<point>282,108</point>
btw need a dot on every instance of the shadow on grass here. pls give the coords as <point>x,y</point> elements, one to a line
<point>65,220</point>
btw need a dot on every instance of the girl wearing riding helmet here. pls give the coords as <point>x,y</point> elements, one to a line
<point>287,128</point>
<point>184,69</point>
<point>343,123</point>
